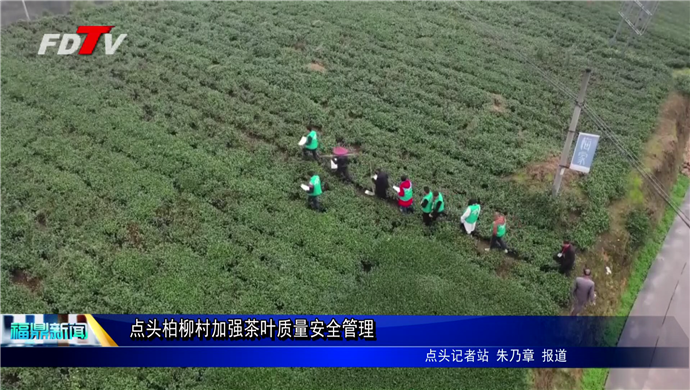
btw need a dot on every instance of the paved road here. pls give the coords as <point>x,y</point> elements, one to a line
<point>13,11</point>
<point>665,295</point>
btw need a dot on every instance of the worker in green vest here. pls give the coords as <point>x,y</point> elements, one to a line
<point>438,207</point>
<point>499,231</point>
<point>427,206</point>
<point>471,215</point>
<point>314,191</point>
<point>311,144</point>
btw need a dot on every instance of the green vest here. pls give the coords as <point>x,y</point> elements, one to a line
<point>430,198</point>
<point>316,182</point>
<point>314,142</point>
<point>474,214</point>
<point>501,230</point>
<point>439,199</point>
<point>407,194</point>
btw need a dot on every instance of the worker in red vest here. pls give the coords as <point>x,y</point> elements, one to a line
<point>405,200</point>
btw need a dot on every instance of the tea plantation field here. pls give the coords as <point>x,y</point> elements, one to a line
<point>165,178</point>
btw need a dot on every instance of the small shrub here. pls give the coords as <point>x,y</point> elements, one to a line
<point>638,224</point>
<point>682,83</point>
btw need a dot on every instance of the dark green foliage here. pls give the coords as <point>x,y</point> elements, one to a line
<point>638,225</point>
<point>682,80</point>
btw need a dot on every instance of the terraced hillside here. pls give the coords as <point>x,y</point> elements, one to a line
<point>165,178</point>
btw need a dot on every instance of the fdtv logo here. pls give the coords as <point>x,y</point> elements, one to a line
<point>93,34</point>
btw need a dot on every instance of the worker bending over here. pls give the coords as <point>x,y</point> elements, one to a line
<point>405,201</point>
<point>380,180</point>
<point>427,206</point>
<point>341,163</point>
<point>565,258</point>
<point>471,215</point>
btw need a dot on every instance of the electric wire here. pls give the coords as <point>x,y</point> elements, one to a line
<point>617,143</point>
<point>599,123</point>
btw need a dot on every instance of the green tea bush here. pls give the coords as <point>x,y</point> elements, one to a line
<point>682,83</point>
<point>638,224</point>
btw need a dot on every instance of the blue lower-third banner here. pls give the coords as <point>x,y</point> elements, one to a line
<point>85,340</point>
<point>315,356</point>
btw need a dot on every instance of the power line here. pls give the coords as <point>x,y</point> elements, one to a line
<point>632,159</point>
<point>616,142</point>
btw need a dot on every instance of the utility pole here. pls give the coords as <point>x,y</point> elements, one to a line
<point>637,14</point>
<point>563,165</point>
<point>26,11</point>
<point>613,38</point>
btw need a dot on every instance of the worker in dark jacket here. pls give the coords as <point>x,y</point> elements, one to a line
<point>380,180</point>
<point>583,292</point>
<point>565,258</point>
<point>341,163</point>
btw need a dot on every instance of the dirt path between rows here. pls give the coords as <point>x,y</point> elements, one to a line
<point>686,164</point>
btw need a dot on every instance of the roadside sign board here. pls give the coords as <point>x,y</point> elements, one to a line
<point>583,156</point>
